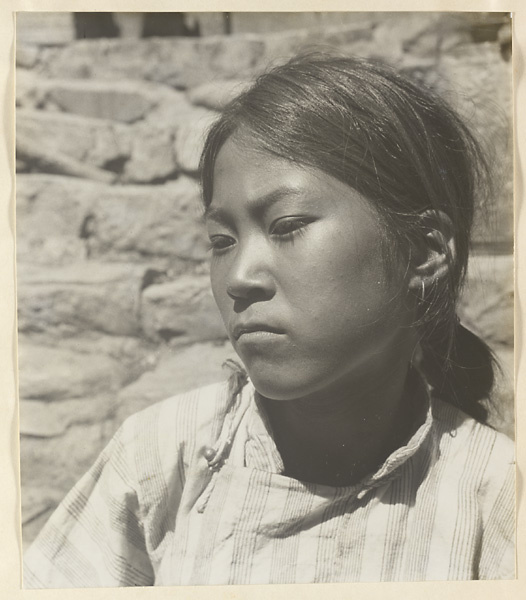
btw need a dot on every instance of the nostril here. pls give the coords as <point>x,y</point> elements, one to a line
<point>250,279</point>
<point>248,293</point>
<point>230,290</point>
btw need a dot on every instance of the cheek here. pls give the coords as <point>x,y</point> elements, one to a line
<point>353,274</point>
<point>352,293</point>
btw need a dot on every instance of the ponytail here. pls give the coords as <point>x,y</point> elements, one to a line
<point>460,369</point>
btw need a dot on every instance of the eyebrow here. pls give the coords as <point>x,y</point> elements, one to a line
<point>258,206</point>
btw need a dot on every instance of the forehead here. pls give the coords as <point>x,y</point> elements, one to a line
<point>253,181</point>
<point>243,170</point>
<point>240,162</point>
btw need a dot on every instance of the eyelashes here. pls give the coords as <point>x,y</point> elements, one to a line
<point>289,227</point>
<point>220,243</point>
<point>285,229</point>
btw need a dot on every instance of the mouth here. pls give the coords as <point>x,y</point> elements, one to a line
<point>255,328</point>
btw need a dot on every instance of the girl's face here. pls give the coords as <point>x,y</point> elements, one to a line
<point>299,277</point>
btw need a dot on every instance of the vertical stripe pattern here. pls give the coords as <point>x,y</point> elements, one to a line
<point>150,513</point>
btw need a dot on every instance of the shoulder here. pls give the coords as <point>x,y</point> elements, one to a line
<point>480,463</point>
<point>469,435</point>
<point>482,457</point>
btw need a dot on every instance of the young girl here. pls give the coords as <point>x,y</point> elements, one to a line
<point>339,199</point>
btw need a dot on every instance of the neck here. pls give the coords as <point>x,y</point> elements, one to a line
<point>338,436</point>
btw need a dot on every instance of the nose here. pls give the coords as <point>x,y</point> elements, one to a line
<point>250,276</point>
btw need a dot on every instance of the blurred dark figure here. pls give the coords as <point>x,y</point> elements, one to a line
<point>162,24</point>
<point>227,23</point>
<point>94,25</point>
<point>167,24</point>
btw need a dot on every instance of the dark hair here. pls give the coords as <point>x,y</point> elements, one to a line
<point>401,147</point>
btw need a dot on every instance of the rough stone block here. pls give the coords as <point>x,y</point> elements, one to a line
<point>189,142</point>
<point>95,142</point>
<point>61,219</point>
<point>50,211</point>
<point>144,152</point>
<point>175,61</point>
<point>50,419</point>
<point>404,37</point>
<point>46,159</point>
<point>187,124</point>
<point>36,419</point>
<point>134,355</point>
<point>217,94</point>
<point>97,296</point>
<point>26,55</point>
<point>152,156</point>
<point>182,310</point>
<point>116,100</point>
<point>151,221</point>
<point>487,303</point>
<point>52,373</point>
<point>27,93</point>
<point>170,115</point>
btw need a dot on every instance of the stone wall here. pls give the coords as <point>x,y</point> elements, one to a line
<point>115,310</point>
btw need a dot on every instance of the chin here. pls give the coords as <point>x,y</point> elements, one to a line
<point>276,387</point>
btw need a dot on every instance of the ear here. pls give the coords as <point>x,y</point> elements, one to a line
<point>438,247</point>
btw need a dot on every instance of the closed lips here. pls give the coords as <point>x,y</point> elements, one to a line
<point>239,330</point>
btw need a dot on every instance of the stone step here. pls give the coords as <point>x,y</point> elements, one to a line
<point>117,299</point>
<point>43,419</point>
<point>186,62</point>
<point>123,101</point>
<point>102,297</point>
<point>52,373</point>
<point>46,159</point>
<point>96,142</point>
<point>167,142</point>
<point>61,220</point>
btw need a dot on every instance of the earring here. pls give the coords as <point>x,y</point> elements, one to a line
<point>423,290</point>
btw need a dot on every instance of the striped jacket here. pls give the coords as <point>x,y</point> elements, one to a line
<point>151,512</point>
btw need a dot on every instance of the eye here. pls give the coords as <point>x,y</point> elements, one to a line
<point>219,243</point>
<point>289,226</point>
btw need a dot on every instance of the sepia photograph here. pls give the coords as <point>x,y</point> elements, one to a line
<point>265,296</point>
